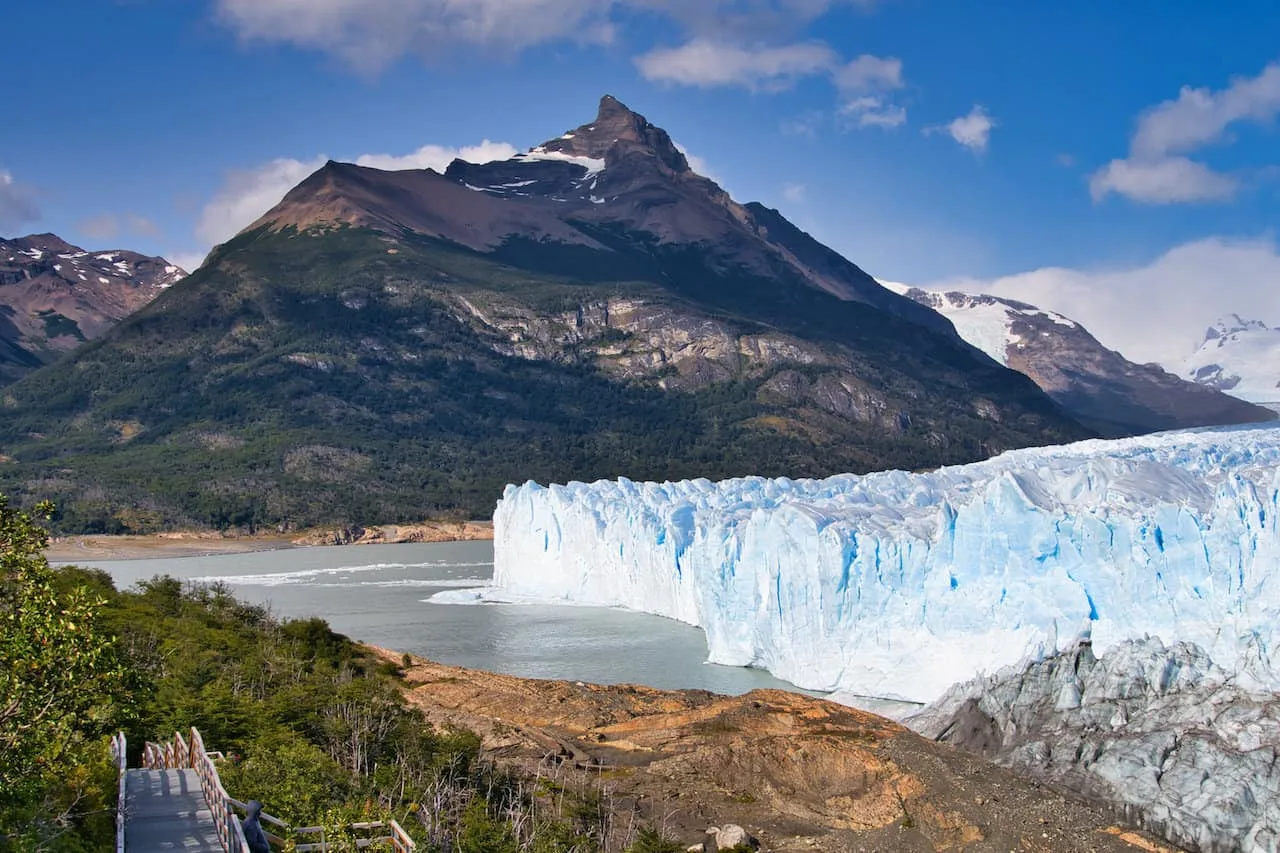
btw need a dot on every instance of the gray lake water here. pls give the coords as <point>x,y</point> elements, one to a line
<point>379,594</point>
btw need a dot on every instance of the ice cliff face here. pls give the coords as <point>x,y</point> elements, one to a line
<point>900,585</point>
<point>1159,733</point>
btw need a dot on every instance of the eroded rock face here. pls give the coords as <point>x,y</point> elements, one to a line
<point>1160,733</point>
<point>637,340</point>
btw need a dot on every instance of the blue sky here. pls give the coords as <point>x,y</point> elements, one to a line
<point>1103,159</point>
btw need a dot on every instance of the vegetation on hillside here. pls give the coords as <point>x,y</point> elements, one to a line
<point>64,686</point>
<point>315,726</point>
<point>302,379</point>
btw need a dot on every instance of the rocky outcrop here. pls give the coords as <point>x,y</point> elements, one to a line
<point>676,349</point>
<point>1159,734</point>
<point>729,837</point>
<point>395,534</point>
<point>793,773</point>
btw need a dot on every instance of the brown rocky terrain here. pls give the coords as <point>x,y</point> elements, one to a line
<point>55,296</point>
<point>799,773</point>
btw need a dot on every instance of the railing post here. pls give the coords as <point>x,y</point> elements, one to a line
<point>120,752</point>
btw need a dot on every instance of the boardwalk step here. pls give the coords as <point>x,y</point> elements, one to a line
<point>166,810</point>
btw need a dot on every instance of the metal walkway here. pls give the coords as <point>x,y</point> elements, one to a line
<point>166,810</point>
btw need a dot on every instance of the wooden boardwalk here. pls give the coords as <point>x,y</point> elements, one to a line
<point>166,810</point>
<point>176,802</point>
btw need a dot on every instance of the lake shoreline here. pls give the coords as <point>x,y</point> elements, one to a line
<point>206,543</point>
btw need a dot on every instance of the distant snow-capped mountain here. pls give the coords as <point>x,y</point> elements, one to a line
<point>1240,357</point>
<point>1097,385</point>
<point>55,296</point>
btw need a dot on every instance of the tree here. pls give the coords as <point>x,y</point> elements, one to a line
<point>62,684</point>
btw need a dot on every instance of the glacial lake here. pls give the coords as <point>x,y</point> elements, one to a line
<point>379,594</point>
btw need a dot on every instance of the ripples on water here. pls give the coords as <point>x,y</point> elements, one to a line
<point>381,594</point>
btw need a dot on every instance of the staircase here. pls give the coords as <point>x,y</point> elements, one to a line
<point>176,801</point>
<point>167,811</point>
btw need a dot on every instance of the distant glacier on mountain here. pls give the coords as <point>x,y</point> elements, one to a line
<point>898,585</point>
<point>1098,386</point>
<point>1240,357</point>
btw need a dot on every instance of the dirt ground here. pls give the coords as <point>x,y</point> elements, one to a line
<point>68,549</point>
<point>799,773</point>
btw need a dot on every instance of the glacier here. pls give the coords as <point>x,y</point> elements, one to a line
<point>899,585</point>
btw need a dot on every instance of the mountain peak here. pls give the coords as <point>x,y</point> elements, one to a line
<point>617,131</point>
<point>1230,324</point>
<point>612,110</point>
<point>46,241</point>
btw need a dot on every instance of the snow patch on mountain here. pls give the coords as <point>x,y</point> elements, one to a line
<point>899,585</point>
<point>985,322</point>
<point>592,165</point>
<point>1240,357</point>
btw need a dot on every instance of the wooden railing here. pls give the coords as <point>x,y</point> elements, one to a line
<point>189,752</point>
<point>120,756</point>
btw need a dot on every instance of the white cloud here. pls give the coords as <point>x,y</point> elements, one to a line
<point>1155,173</point>
<point>370,35</point>
<point>189,261</point>
<point>17,207</point>
<point>1198,117</point>
<point>872,111</point>
<point>865,83</point>
<point>794,193</point>
<point>1157,311</point>
<point>708,63</point>
<point>247,194</point>
<point>973,131</point>
<point>869,73</point>
<point>439,157</point>
<point>1165,181</point>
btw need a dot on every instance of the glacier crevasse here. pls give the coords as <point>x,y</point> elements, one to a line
<point>899,585</point>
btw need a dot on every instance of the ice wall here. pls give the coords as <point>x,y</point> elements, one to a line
<point>899,585</point>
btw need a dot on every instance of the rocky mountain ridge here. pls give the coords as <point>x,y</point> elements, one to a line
<point>618,173</point>
<point>1099,386</point>
<point>55,296</point>
<point>387,346</point>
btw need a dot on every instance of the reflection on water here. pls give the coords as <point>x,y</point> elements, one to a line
<point>378,594</point>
